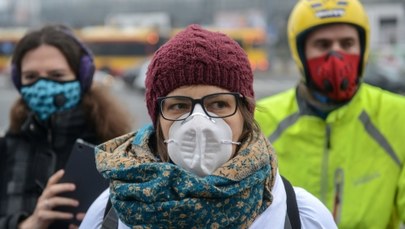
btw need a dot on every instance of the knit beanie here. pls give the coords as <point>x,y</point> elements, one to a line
<point>196,56</point>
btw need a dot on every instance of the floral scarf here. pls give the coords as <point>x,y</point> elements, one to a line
<point>147,193</point>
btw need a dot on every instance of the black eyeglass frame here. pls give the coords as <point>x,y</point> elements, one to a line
<point>200,101</point>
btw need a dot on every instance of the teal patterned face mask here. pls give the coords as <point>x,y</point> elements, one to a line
<point>46,97</point>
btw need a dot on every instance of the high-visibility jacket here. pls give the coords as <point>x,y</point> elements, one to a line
<point>352,161</point>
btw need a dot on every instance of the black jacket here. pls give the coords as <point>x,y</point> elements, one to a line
<point>30,157</point>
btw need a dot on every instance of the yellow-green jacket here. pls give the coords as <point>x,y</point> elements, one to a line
<point>352,161</point>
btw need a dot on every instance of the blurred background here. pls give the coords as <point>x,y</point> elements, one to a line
<point>123,34</point>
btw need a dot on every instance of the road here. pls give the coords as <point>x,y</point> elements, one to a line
<point>264,84</point>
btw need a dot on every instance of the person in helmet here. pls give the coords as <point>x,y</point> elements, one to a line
<point>336,136</point>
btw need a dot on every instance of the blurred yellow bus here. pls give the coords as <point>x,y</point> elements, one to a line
<point>8,40</point>
<point>252,40</point>
<point>118,49</point>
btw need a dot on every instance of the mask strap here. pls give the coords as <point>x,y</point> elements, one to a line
<point>169,141</point>
<point>230,142</point>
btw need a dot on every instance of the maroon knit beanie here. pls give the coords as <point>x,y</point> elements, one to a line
<point>196,56</point>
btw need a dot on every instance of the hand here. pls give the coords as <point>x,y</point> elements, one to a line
<point>79,217</point>
<point>43,214</point>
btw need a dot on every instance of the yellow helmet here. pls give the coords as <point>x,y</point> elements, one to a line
<point>309,14</point>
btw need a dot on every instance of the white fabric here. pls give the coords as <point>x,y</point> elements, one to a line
<point>313,214</point>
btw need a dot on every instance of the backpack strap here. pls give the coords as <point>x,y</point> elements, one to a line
<point>110,217</point>
<point>293,220</point>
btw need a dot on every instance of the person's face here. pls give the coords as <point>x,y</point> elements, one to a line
<point>45,62</point>
<point>235,121</point>
<point>339,37</point>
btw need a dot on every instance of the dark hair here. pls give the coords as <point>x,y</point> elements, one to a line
<point>249,126</point>
<point>58,36</point>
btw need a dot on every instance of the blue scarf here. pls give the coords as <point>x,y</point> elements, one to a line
<point>147,193</point>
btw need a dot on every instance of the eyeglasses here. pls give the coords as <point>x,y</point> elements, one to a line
<point>218,105</point>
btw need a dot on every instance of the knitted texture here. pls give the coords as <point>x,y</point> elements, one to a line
<point>196,56</point>
<point>147,193</point>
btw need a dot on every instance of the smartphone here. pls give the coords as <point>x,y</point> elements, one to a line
<point>81,170</point>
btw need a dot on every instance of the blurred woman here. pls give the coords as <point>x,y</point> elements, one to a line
<point>53,71</point>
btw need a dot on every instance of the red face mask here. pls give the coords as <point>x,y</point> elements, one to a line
<point>335,75</point>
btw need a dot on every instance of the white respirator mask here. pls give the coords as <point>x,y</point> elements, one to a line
<point>200,144</point>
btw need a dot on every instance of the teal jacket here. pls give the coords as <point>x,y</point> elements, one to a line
<point>352,161</point>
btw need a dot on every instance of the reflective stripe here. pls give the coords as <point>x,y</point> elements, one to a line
<point>338,201</point>
<point>325,165</point>
<point>283,125</point>
<point>378,137</point>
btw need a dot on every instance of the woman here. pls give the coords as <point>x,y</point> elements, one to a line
<point>204,163</point>
<point>53,72</point>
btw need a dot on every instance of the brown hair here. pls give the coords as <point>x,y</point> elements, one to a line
<point>249,126</point>
<point>53,35</point>
<point>105,113</point>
